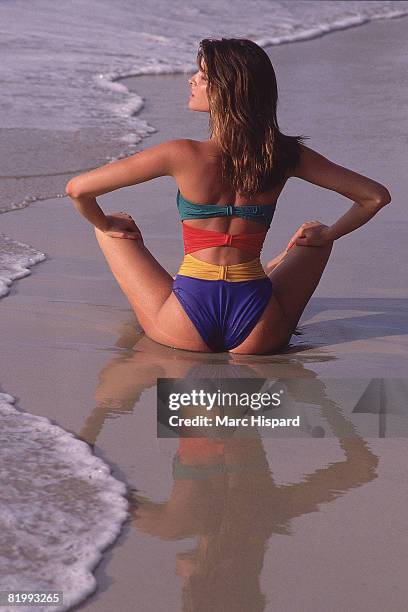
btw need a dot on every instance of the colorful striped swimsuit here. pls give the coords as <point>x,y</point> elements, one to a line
<point>223,302</point>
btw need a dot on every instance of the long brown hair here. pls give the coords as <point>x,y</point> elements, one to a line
<point>243,97</point>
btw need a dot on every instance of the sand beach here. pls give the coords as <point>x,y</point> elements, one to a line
<point>72,351</point>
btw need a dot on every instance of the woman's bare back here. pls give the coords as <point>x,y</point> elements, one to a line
<point>200,182</point>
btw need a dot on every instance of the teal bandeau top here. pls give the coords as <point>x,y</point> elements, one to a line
<point>260,213</point>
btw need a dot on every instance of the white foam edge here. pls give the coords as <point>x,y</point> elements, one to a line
<point>16,263</point>
<point>86,465</point>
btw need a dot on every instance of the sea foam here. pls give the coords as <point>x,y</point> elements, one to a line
<point>60,508</point>
<point>15,260</point>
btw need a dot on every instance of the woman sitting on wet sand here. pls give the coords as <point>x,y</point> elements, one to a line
<point>228,186</point>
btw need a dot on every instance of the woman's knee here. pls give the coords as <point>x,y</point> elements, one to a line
<point>121,216</point>
<point>327,246</point>
<point>305,252</point>
<point>119,235</point>
<point>326,250</point>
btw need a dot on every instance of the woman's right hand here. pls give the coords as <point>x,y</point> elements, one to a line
<point>310,233</point>
<point>121,225</point>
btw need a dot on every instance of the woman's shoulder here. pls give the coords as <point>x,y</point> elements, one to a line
<point>178,144</point>
<point>184,147</point>
<point>199,146</point>
<point>201,153</point>
<point>306,157</point>
<point>184,143</point>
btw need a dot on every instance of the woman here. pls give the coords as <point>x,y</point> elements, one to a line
<point>228,186</point>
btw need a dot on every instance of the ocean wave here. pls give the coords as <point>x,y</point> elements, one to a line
<point>15,260</point>
<point>60,508</point>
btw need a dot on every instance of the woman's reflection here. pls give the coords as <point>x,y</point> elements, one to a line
<point>224,494</point>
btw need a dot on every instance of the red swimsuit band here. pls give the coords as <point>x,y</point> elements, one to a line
<point>198,238</point>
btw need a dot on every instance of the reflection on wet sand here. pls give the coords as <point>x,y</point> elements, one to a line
<point>234,513</point>
<point>130,372</point>
<point>224,494</point>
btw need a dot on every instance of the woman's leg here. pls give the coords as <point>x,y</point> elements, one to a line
<point>148,288</point>
<point>294,280</point>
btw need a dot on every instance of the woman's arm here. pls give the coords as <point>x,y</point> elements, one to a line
<point>368,195</point>
<point>159,160</point>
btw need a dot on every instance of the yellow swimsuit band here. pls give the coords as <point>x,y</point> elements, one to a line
<point>249,270</point>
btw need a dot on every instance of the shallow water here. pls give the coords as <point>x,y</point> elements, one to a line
<point>282,481</point>
<point>64,105</point>
<point>60,508</point>
<point>234,519</point>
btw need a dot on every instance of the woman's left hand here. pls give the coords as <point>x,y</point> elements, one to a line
<point>311,233</point>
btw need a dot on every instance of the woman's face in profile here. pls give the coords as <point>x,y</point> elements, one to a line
<point>198,101</point>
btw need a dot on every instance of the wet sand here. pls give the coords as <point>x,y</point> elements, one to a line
<point>71,351</point>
